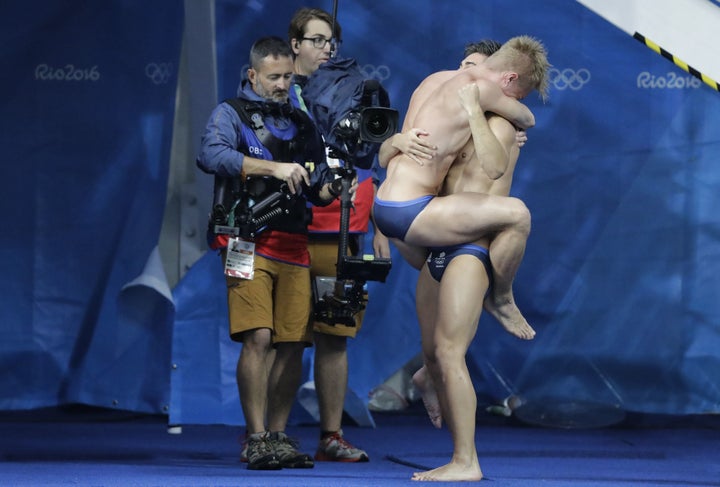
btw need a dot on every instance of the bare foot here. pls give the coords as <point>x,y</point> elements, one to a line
<point>507,313</point>
<point>422,381</point>
<point>452,472</point>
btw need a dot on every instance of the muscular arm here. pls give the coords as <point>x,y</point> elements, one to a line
<point>494,100</point>
<point>505,135</point>
<point>488,149</point>
<point>410,143</point>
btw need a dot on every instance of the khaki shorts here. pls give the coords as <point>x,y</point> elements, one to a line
<point>323,262</point>
<point>278,297</point>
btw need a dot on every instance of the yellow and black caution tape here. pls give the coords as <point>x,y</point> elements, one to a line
<point>678,62</point>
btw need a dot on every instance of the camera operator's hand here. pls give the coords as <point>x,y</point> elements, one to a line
<point>293,174</point>
<point>334,189</point>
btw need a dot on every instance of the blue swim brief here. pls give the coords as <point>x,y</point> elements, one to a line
<point>394,218</point>
<point>440,258</point>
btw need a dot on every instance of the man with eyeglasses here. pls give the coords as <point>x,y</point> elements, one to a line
<point>313,41</point>
<point>311,52</point>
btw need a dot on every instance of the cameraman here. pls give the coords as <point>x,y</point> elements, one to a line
<point>270,308</point>
<point>312,40</point>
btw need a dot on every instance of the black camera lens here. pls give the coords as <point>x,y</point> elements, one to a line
<point>377,125</point>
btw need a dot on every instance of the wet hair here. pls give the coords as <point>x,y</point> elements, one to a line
<point>528,58</point>
<point>300,19</point>
<point>486,47</point>
<point>268,46</point>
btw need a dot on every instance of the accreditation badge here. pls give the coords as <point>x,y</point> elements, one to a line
<point>240,258</point>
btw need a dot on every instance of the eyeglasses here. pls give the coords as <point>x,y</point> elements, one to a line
<point>320,42</point>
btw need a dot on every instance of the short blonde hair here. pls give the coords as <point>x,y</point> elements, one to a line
<point>526,56</point>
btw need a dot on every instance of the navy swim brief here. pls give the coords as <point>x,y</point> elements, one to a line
<point>440,258</point>
<point>394,218</point>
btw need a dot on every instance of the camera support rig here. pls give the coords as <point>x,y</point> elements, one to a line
<point>348,296</point>
<point>243,219</point>
<point>339,299</point>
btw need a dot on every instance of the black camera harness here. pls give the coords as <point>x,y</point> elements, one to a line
<point>253,113</point>
<point>231,213</point>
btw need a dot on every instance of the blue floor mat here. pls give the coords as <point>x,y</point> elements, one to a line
<point>110,448</point>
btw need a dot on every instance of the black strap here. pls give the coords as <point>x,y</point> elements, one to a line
<point>251,114</point>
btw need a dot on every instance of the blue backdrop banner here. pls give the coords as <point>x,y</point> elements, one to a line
<point>619,274</point>
<point>87,124</point>
<point>620,174</point>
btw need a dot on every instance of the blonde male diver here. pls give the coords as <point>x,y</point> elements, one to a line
<point>455,274</point>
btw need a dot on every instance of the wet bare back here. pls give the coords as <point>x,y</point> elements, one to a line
<point>436,108</point>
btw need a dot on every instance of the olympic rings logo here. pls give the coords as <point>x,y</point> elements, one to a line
<point>159,73</point>
<point>380,73</point>
<point>568,78</point>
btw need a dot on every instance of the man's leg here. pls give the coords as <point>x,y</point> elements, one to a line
<point>252,378</point>
<point>331,367</point>
<point>415,256</point>
<point>247,300</point>
<point>285,377</point>
<point>249,323</point>
<point>331,378</point>
<point>426,297</point>
<point>467,217</point>
<point>331,375</point>
<point>252,373</point>
<point>291,314</point>
<point>423,382</point>
<point>506,252</point>
<point>457,317</point>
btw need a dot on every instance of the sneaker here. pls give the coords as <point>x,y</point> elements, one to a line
<point>243,450</point>
<point>286,451</point>
<point>260,452</point>
<point>335,448</point>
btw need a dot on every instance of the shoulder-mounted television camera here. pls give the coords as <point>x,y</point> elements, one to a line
<point>351,112</point>
<point>359,133</point>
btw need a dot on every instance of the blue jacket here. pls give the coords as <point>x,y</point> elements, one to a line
<point>227,140</point>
